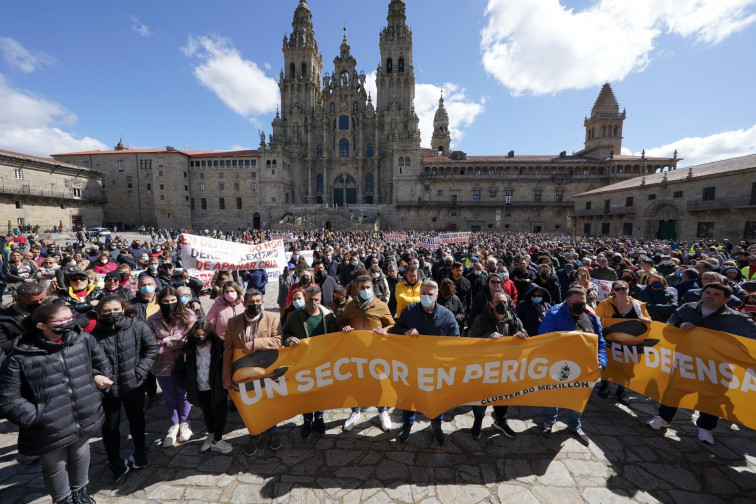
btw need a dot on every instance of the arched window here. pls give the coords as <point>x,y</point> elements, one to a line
<point>292,71</point>
<point>355,107</point>
<point>343,147</point>
<point>304,70</point>
<point>319,182</point>
<point>369,150</point>
<point>389,65</point>
<point>268,163</point>
<point>400,69</point>
<point>319,151</point>
<point>340,180</point>
<point>369,183</point>
<point>274,163</point>
<point>350,180</point>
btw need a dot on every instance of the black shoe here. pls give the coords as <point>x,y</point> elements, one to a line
<point>546,430</point>
<point>252,446</point>
<point>623,399</point>
<point>438,435</point>
<point>501,424</point>
<point>320,426</point>
<point>404,433</point>
<point>475,430</point>
<point>81,496</point>
<point>138,460</point>
<point>67,500</point>
<point>306,429</point>
<point>120,470</point>
<point>604,389</point>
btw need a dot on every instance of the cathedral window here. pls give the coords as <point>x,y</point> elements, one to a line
<point>304,70</point>
<point>319,151</point>
<point>355,107</point>
<point>400,68</point>
<point>332,108</point>
<point>292,71</point>
<point>343,122</point>
<point>389,65</point>
<point>369,150</point>
<point>319,183</point>
<point>343,147</point>
<point>369,183</point>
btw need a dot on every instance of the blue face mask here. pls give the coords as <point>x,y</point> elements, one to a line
<point>184,299</point>
<point>153,267</point>
<point>298,304</point>
<point>147,289</point>
<point>537,299</point>
<point>656,285</point>
<point>355,263</point>
<point>178,284</point>
<point>427,301</point>
<point>366,294</point>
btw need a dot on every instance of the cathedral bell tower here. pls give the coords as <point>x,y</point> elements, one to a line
<point>603,129</point>
<point>299,80</point>
<point>395,77</point>
<point>441,141</point>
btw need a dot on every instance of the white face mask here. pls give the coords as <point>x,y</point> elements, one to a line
<point>104,260</point>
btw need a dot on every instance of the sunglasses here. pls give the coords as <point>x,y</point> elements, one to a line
<point>619,289</point>
<point>495,281</point>
<point>111,280</point>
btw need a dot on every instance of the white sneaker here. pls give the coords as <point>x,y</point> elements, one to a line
<point>385,420</point>
<point>207,444</point>
<point>657,423</point>
<point>185,432</point>
<point>354,416</point>
<point>221,446</point>
<point>170,438</point>
<point>705,436</point>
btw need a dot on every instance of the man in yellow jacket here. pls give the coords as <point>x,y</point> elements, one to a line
<point>408,290</point>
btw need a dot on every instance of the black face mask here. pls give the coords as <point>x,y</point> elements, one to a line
<point>544,275</point>
<point>320,275</point>
<point>305,281</point>
<point>167,309</point>
<point>31,307</point>
<point>254,310</point>
<point>578,308</point>
<point>501,308</point>
<point>64,328</point>
<point>111,318</point>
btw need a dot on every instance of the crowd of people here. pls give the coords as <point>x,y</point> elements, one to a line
<point>86,337</point>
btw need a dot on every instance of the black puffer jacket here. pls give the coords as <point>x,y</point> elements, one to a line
<point>76,305</point>
<point>131,349</point>
<point>49,392</point>
<point>529,313</point>
<point>659,303</point>
<point>486,323</point>
<point>185,371</point>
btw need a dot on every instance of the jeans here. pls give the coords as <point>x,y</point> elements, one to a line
<point>66,469</point>
<point>176,405</point>
<point>133,403</point>
<point>213,414</point>
<point>150,384</point>
<point>500,412</point>
<point>408,417</point>
<point>705,420</point>
<point>381,409</point>
<point>549,416</point>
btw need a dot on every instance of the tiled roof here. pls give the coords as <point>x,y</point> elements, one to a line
<point>120,152</point>
<point>512,160</point>
<point>210,154</point>
<point>41,160</point>
<point>703,170</point>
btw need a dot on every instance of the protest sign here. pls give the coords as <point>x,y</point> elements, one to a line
<point>430,374</point>
<point>395,237</point>
<point>454,237</point>
<point>604,288</point>
<point>209,254</point>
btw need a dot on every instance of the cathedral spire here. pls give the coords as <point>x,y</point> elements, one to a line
<point>441,141</point>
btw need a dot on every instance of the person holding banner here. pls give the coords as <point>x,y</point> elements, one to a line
<point>616,307</point>
<point>497,321</point>
<point>252,331</point>
<point>660,301</point>
<point>407,290</point>
<point>366,312</point>
<point>430,319</point>
<point>314,320</point>
<point>572,315</point>
<point>713,313</point>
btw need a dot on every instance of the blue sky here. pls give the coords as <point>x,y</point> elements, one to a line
<point>516,74</point>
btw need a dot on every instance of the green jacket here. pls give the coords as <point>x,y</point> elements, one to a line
<point>296,324</point>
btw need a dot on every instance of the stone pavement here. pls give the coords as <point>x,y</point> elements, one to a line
<point>625,462</point>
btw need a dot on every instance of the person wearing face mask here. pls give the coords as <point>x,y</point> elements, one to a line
<point>325,281</point>
<point>104,264</point>
<point>380,284</point>
<point>493,285</point>
<point>58,406</point>
<point>225,307</point>
<point>145,301</point>
<point>331,264</point>
<point>297,303</point>
<point>170,326</point>
<point>28,297</point>
<point>407,290</point>
<point>522,275</point>
<point>314,320</point>
<point>347,272</point>
<point>186,298</point>
<point>428,318</point>
<point>112,286</point>
<point>131,349</point>
<point>497,321</point>
<point>392,279</point>
<point>305,281</point>
<point>532,309</point>
<point>660,301</point>
<point>340,299</point>
<point>565,277</point>
<point>477,277</point>
<point>583,280</point>
<point>257,279</point>
<point>198,370</point>
<point>547,281</point>
<point>81,296</point>
<point>300,263</point>
<point>366,313</point>
<point>285,281</point>
<point>153,270</point>
<point>572,315</point>
<point>180,278</point>
<point>46,273</point>
<point>666,267</point>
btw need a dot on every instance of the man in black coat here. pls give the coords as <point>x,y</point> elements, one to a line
<point>546,281</point>
<point>522,276</point>
<point>325,281</point>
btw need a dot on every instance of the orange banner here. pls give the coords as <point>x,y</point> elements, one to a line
<point>700,369</point>
<point>430,374</point>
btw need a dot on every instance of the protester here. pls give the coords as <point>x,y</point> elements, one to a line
<point>583,280</point>
<point>533,308</point>
<point>285,281</point>
<point>407,290</point>
<point>660,301</point>
<point>447,297</point>
<point>52,385</point>
<point>225,307</point>
<point>82,296</point>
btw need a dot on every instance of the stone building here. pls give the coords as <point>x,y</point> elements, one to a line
<point>48,193</point>
<point>713,200</point>
<point>337,159</point>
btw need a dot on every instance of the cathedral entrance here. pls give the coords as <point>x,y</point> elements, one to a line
<point>344,190</point>
<point>667,230</point>
<point>256,221</point>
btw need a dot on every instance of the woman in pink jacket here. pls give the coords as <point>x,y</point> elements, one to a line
<point>104,264</point>
<point>227,305</point>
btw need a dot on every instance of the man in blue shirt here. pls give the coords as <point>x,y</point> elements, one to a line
<point>427,318</point>
<point>571,315</point>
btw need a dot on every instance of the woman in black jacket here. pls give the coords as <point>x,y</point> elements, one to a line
<point>131,349</point>
<point>198,371</point>
<point>447,297</point>
<point>533,307</point>
<point>51,390</point>
<point>660,301</point>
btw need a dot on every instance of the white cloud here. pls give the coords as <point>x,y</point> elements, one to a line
<point>239,83</point>
<point>239,147</point>
<point>697,150</point>
<point>370,86</point>
<point>21,58</point>
<point>541,47</point>
<point>139,27</point>
<point>462,111</point>
<point>30,124</point>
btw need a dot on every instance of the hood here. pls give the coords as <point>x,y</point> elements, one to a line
<point>532,288</point>
<point>738,278</point>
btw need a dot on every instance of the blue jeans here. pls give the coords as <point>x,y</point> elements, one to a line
<point>549,416</point>
<point>308,416</point>
<point>408,417</point>
<point>381,409</point>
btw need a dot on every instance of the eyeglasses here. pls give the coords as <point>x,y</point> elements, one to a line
<point>61,321</point>
<point>619,289</point>
<point>495,281</point>
<point>111,280</point>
